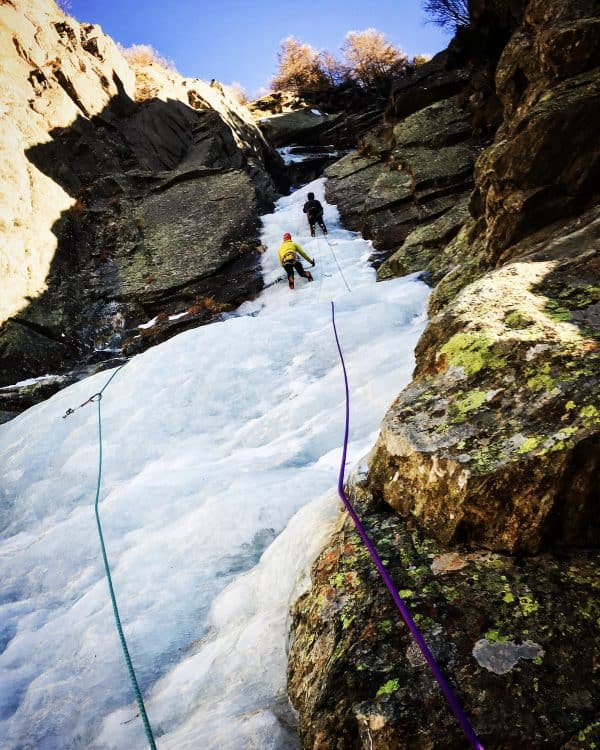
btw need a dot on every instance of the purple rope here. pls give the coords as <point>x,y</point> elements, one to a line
<point>406,616</point>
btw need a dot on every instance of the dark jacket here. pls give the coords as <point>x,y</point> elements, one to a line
<point>313,208</point>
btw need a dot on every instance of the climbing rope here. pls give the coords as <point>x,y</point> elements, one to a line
<point>460,715</point>
<point>337,263</point>
<point>97,398</point>
<point>321,270</point>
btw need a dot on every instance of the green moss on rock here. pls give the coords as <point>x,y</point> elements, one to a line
<point>472,351</point>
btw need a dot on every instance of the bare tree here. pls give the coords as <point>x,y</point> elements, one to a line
<point>334,71</point>
<point>298,68</point>
<point>449,14</point>
<point>373,61</point>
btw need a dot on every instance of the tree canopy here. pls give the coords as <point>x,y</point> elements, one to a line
<point>298,67</point>
<point>369,61</point>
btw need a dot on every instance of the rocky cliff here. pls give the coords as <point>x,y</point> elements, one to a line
<point>128,193</point>
<point>121,204</point>
<point>481,491</point>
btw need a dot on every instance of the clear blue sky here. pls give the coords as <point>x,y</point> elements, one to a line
<point>237,40</point>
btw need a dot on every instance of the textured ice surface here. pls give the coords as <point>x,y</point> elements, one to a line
<point>221,451</point>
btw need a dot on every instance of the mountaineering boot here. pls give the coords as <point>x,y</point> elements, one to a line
<point>309,276</point>
<point>291,283</point>
<point>312,232</point>
<point>325,231</point>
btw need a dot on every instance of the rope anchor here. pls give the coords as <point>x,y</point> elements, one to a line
<point>91,400</point>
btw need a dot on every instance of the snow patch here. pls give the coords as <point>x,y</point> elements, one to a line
<point>32,381</point>
<point>149,324</point>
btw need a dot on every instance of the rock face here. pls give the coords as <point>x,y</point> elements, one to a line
<point>302,127</point>
<point>338,118</point>
<point>407,186</point>
<point>435,81</point>
<point>496,441</point>
<point>514,636</point>
<point>120,196</point>
<point>493,449</point>
<point>544,161</point>
<point>503,410</point>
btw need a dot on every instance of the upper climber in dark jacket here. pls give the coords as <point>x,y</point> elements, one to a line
<point>314,212</point>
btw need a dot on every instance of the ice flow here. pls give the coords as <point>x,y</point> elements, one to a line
<point>221,451</point>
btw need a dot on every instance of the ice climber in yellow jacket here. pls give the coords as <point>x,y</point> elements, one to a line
<point>288,257</point>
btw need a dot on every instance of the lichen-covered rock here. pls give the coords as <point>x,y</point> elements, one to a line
<point>547,85</point>
<point>496,441</point>
<point>353,175</point>
<point>514,636</point>
<point>440,124</point>
<point>423,248</point>
<point>495,445</point>
<point>528,179</point>
<point>179,229</point>
<point>406,178</point>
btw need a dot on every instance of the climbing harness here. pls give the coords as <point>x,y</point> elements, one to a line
<point>460,715</point>
<point>97,398</point>
<point>290,257</point>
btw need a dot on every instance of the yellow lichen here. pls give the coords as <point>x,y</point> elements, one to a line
<point>529,444</point>
<point>472,352</point>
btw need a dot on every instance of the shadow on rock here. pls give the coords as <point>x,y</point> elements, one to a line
<point>163,230</point>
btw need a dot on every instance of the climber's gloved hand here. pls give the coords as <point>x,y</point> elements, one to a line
<point>313,263</point>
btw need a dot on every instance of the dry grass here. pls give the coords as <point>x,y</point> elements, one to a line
<point>209,304</point>
<point>141,55</point>
<point>237,92</point>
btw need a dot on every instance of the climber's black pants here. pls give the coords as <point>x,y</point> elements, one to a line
<point>312,220</point>
<point>289,269</point>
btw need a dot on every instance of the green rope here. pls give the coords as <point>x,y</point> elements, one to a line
<point>136,689</point>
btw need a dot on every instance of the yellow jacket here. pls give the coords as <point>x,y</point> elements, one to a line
<point>288,252</point>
